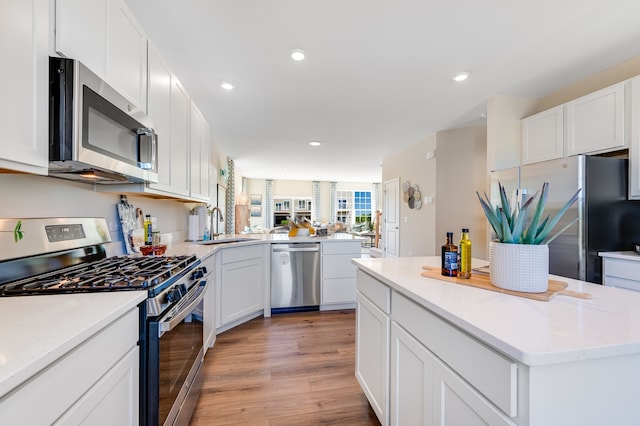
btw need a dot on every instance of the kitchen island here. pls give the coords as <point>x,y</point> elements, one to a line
<point>436,352</point>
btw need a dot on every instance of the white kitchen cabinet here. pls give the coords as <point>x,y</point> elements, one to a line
<point>634,139</point>
<point>209,304</point>
<point>100,377</point>
<point>411,382</point>
<point>199,143</point>
<point>338,287</point>
<point>24,120</point>
<point>543,136</point>
<point>240,284</point>
<point>595,122</point>
<point>106,37</point>
<point>621,272</point>
<point>372,343</point>
<point>168,106</point>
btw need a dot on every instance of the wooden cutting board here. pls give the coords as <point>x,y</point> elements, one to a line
<point>481,280</point>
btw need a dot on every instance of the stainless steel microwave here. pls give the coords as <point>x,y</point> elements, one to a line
<point>95,134</point>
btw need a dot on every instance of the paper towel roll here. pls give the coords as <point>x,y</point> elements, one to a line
<point>194,227</point>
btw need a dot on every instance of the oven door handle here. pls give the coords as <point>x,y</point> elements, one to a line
<point>176,319</point>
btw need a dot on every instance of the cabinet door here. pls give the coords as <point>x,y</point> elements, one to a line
<point>127,54</point>
<point>111,401</point>
<point>372,355</point>
<point>411,380</point>
<point>595,122</point>
<point>240,291</point>
<point>634,140</point>
<point>338,290</point>
<point>199,140</point>
<point>159,109</point>
<point>455,402</point>
<point>24,120</point>
<point>179,138</point>
<point>543,136</point>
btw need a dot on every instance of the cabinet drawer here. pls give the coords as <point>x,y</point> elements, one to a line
<point>338,266</point>
<point>486,370</point>
<point>627,269</point>
<point>621,283</point>
<point>79,370</point>
<point>351,247</point>
<point>375,291</point>
<point>236,254</point>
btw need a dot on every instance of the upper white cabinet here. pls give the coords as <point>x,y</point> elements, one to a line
<point>105,36</point>
<point>634,140</point>
<point>199,142</point>
<point>595,122</point>
<point>543,136</point>
<point>168,105</point>
<point>24,120</point>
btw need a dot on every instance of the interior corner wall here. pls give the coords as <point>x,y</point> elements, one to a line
<point>417,227</point>
<point>462,170</point>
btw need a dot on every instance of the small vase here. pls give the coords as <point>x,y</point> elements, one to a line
<point>519,267</point>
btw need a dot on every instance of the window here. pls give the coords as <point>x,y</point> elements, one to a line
<point>353,207</point>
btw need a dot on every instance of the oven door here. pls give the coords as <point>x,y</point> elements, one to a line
<point>174,359</point>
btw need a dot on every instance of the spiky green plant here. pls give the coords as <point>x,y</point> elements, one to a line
<point>513,226</point>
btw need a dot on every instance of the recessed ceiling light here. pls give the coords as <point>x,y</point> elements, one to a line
<point>297,55</point>
<point>226,85</point>
<point>461,76</point>
<point>315,143</point>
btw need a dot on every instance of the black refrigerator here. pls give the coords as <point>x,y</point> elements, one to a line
<point>607,220</point>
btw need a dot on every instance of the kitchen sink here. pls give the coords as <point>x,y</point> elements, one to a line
<point>225,241</point>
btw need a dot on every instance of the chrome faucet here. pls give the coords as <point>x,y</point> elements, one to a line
<point>220,219</point>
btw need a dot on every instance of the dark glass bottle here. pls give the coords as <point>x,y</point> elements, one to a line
<point>449,257</point>
<point>464,260</point>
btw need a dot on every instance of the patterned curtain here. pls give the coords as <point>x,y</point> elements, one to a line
<point>231,198</point>
<point>268,203</point>
<point>332,204</point>
<point>315,201</point>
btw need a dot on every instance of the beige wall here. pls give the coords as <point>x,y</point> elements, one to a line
<point>461,171</point>
<point>417,227</point>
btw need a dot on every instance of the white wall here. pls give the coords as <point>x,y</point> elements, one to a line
<point>417,227</point>
<point>27,196</point>
<point>461,171</point>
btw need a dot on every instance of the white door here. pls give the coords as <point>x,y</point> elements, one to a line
<point>391,214</point>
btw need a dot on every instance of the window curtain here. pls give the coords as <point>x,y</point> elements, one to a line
<point>231,198</point>
<point>333,208</point>
<point>268,204</point>
<point>315,201</point>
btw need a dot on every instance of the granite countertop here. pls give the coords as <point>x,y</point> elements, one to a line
<point>564,329</point>
<point>37,330</point>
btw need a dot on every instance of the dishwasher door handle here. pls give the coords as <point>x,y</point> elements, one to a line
<point>290,250</point>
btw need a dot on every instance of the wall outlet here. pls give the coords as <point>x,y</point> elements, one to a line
<point>406,219</point>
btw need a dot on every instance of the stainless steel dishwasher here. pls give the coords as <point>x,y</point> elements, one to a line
<point>295,277</point>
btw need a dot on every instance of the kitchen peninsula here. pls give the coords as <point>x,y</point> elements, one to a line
<point>430,351</point>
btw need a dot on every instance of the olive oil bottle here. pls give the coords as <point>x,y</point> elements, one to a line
<point>449,257</point>
<point>464,260</point>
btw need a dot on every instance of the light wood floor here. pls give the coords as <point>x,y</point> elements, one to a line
<point>291,369</point>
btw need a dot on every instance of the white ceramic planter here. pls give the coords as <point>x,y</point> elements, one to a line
<point>519,267</point>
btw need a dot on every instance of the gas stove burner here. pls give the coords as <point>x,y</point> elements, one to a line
<point>108,274</point>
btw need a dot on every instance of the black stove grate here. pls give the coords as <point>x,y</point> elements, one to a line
<point>108,274</point>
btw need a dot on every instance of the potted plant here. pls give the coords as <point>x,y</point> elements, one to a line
<point>519,257</point>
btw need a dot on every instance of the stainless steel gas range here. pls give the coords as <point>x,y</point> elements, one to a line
<point>48,256</point>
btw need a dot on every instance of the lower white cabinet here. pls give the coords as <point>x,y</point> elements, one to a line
<point>95,383</point>
<point>240,284</point>
<point>621,273</point>
<point>338,273</point>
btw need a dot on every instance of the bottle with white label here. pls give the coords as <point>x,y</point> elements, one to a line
<point>449,257</point>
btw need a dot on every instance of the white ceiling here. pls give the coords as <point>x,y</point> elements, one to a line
<point>378,72</point>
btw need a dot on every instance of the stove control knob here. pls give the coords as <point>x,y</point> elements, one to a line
<point>174,295</point>
<point>182,289</point>
<point>198,273</point>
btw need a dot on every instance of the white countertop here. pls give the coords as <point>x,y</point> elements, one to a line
<point>564,329</point>
<point>625,255</point>
<point>37,330</point>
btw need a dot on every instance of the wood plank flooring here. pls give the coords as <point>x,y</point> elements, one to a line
<point>291,369</point>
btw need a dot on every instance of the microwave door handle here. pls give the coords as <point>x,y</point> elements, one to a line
<point>147,140</point>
